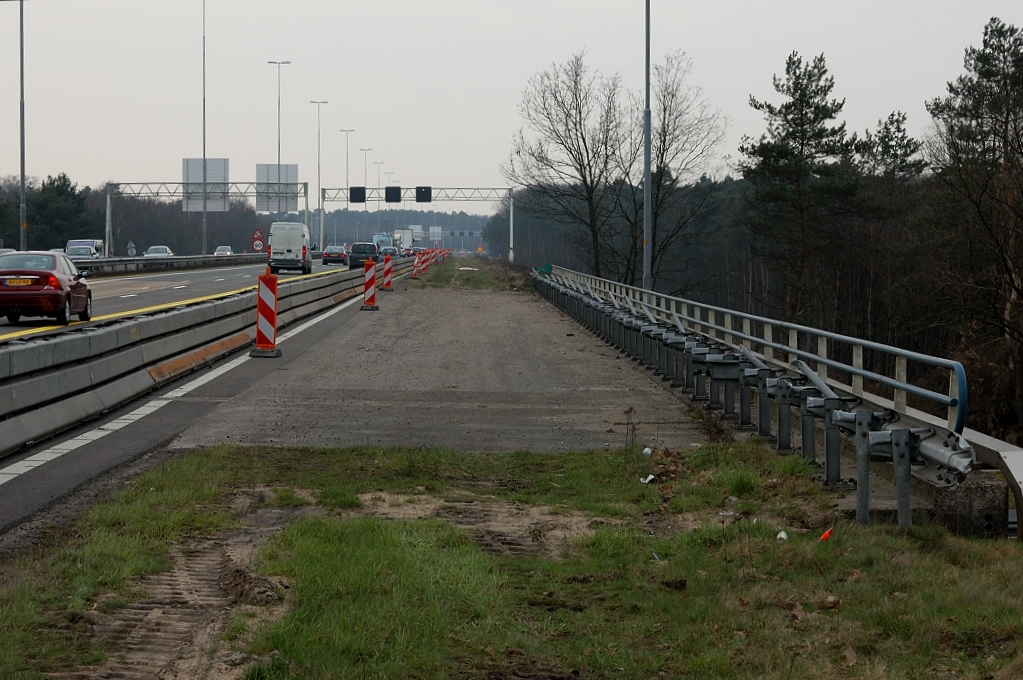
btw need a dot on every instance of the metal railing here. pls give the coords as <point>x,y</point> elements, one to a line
<point>855,387</point>
<point>757,332</point>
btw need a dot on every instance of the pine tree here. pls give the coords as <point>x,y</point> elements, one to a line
<point>799,173</point>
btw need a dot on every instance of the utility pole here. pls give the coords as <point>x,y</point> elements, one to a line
<point>647,193</point>
<point>23,211</point>
<point>279,64</point>
<point>319,191</point>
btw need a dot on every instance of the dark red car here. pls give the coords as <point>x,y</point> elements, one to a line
<point>35,283</point>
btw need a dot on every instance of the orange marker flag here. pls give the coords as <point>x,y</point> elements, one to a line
<point>827,534</point>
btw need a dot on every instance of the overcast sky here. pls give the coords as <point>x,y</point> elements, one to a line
<point>114,87</point>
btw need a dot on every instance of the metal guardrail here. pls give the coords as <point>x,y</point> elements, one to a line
<point>110,266</point>
<point>51,383</point>
<point>704,348</point>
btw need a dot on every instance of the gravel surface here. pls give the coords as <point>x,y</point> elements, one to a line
<point>474,370</point>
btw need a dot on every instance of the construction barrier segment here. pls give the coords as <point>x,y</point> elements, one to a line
<point>387,273</point>
<point>266,318</point>
<point>369,295</point>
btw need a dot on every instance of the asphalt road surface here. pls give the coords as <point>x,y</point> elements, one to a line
<point>491,371</point>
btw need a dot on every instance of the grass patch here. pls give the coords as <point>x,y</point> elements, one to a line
<point>678,579</point>
<point>475,274</point>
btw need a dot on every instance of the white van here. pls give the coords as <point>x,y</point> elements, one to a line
<point>289,247</point>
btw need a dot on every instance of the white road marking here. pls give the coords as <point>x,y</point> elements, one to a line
<point>130,295</point>
<point>56,451</point>
<point>179,287</point>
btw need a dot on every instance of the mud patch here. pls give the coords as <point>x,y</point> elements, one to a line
<point>498,527</point>
<point>175,630</point>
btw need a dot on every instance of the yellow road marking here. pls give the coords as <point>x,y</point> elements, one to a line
<point>143,310</point>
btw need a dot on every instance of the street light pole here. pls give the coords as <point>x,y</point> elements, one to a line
<point>279,64</point>
<point>647,192</point>
<point>204,189</point>
<point>23,211</point>
<point>365,166</point>
<point>347,183</point>
<point>319,191</point>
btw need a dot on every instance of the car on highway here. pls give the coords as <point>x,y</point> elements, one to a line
<point>290,247</point>
<point>35,283</point>
<point>82,253</point>
<point>158,251</point>
<point>56,250</point>
<point>389,250</point>
<point>335,255</point>
<point>362,253</point>
<point>223,250</point>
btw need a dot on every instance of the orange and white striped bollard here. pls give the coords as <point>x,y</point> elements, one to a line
<point>266,318</point>
<point>387,273</point>
<point>369,288</point>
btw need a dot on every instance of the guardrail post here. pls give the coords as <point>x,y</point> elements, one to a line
<point>808,429</point>
<point>747,331</point>
<point>900,375</point>
<point>728,325</point>
<point>904,444</point>
<point>953,391</point>
<point>793,343</point>
<point>784,416</point>
<point>766,351</point>
<point>763,403</point>
<point>865,424</point>
<point>832,443</point>
<point>822,351</point>
<point>746,399</point>
<point>857,380</point>
<point>729,398</point>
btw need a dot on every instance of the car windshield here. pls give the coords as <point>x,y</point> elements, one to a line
<point>157,250</point>
<point>364,248</point>
<point>79,251</point>
<point>223,249</point>
<point>27,261</point>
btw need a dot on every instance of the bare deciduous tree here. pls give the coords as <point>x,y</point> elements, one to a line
<point>568,158</point>
<point>685,133</point>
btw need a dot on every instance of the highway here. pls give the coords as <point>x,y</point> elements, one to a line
<point>117,297</point>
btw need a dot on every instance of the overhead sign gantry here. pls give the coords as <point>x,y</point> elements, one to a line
<point>424,194</point>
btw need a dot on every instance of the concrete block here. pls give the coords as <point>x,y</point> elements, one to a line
<point>124,389</point>
<point>979,507</point>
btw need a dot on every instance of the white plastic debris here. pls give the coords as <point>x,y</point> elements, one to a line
<point>782,536</point>
<point>648,479</point>
<point>647,451</point>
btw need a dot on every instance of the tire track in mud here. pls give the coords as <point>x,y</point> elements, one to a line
<point>151,633</point>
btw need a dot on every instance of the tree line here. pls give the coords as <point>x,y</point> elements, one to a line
<point>910,242</point>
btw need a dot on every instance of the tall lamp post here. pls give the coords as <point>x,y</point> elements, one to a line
<point>319,192</point>
<point>22,210</point>
<point>205,192</point>
<point>279,64</point>
<point>347,183</point>
<point>647,192</point>
<point>365,166</point>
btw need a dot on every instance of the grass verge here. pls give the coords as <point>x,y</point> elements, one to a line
<point>680,577</point>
